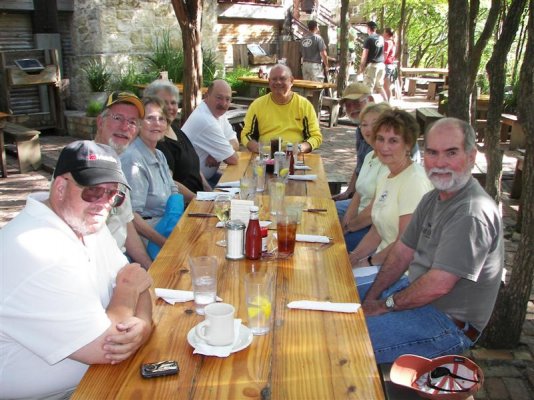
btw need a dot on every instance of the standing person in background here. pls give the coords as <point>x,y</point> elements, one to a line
<point>313,52</point>
<point>372,63</point>
<point>390,62</point>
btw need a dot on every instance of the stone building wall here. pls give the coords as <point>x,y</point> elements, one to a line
<point>123,31</point>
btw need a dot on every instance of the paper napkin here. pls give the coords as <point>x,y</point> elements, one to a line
<point>205,349</point>
<point>233,184</point>
<point>302,167</point>
<point>172,296</point>
<point>208,196</point>
<point>312,238</point>
<point>325,306</point>
<point>263,224</point>
<point>309,177</point>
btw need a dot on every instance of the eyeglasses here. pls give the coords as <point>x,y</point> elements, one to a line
<point>121,119</point>
<point>440,372</point>
<point>91,194</point>
<point>153,119</point>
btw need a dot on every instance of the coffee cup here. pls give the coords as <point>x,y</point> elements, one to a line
<point>217,329</point>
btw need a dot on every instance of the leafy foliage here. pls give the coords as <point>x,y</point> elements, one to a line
<point>128,77</point>
<point>232,79</point>
<point>97,74</point>
<point>170,57</point>
<point>94,108</point>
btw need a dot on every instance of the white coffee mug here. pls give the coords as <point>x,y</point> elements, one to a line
<point>218,327</point>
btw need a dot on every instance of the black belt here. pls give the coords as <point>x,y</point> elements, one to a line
<point>472,333</point>
<point>147,217</point>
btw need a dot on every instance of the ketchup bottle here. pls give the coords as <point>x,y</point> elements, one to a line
<point>253,235</point>
<point>289,153</point>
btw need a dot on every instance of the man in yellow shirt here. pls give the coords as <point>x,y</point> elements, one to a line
<point>283,114</point>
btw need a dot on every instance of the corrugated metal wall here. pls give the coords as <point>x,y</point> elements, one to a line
<point>16,34</point>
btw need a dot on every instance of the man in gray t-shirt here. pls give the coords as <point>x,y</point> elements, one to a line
<point>453,249</point>
<point>313,51</point>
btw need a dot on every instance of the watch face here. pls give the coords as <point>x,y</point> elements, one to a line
<point>390,303</point>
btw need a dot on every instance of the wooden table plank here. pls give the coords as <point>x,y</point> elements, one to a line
<point>307,354</point>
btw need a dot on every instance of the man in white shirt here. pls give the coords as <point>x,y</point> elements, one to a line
<point>69,298</point>
<point>210,132</point>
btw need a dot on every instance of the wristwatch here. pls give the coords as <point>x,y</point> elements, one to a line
<point>390,303</point>
<point>299,147</point>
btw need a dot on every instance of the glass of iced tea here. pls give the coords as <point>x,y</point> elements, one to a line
<point>286,231</point>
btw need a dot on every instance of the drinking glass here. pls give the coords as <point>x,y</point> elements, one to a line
<point>204,280</point>
<point>265,150</point>
<point>277,190</point>
<point>259,298</point>
<point>247,188</point>
<point>221,208</point>
<point>286,230</point>
<point>259,174</point>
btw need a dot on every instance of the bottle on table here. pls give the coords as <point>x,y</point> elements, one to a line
<point>291,156</point>
<point>253,235</point>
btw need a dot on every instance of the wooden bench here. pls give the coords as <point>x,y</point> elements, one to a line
<point>426,117</point>
<point>412,85</point>
<point>332,103</point>
<point>335,181</point>
<point>393,391</point>
<point>27,145</point>
<point>435,85</point>
<point>242,100</point>
<point>517,135</point>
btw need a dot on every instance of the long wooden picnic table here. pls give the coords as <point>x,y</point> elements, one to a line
<point>316,188</point>
<point>306,355</point>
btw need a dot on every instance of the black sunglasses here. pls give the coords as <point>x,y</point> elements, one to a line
<point>440,372</point>
<point>90,194</point>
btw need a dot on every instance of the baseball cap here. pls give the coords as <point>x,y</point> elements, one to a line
<point>449,377</point>
<point>125,97</point>
<point>355,91</point>
<point>90,163</point>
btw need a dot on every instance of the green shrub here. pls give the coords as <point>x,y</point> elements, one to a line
<point>167,57</point>
<point>237,85</point>
<point>97,74</point>
<point>511,98</point>
<point>128,77</point>
<point>94,108</point>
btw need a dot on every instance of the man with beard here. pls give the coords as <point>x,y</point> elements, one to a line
<point>211,133</point>
<point>283,114</point>
<point>453,249</point>
<point>69,297</point>
<point>118,126</point>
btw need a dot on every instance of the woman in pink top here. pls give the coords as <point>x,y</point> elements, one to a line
<point>390,61</point>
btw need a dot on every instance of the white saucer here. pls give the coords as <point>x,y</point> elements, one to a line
<point>243,341</point>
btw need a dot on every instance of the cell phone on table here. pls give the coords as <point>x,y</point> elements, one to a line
<point>162,368</point>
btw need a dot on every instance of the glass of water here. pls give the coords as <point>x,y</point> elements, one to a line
<point>204,279</point>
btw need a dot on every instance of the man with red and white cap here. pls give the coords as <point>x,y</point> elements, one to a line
<point>118,126</point>
<point>453,251</point>
<point>69,296</point>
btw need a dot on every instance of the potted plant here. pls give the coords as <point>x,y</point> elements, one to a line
<point>98,77</point>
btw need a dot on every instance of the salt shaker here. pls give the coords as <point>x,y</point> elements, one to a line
<point>235,240</point>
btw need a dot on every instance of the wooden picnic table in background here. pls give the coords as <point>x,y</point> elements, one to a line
<point>307,354</point>
<point>310,89</point>
<point>3,161</point>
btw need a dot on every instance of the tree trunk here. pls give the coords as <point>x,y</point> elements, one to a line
<point>459,65</point>
<point>400,37</point>
<point>508,317</point>
<point>343,73</point>
<point>496,69</point>
<point>189,15</point>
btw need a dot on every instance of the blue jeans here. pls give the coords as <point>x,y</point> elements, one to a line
<point>341,207</point>
<point>424,331</point>
<point>352,239</point>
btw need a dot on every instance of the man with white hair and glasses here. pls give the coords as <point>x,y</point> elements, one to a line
<point>453,251</point>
